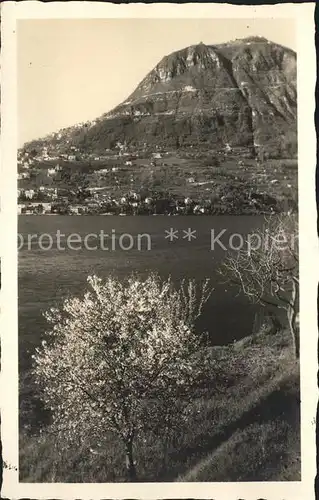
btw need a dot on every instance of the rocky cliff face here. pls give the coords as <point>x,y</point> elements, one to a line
<point>242,93</point>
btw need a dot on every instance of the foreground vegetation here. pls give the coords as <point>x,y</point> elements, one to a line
<point>130,384</point>
<point>242,425</point>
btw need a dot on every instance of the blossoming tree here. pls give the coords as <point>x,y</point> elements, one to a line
<point>117,353</point>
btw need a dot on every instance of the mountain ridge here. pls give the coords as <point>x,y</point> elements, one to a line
<point>241,93</point>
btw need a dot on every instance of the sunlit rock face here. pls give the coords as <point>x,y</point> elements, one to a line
<point>241,93</point>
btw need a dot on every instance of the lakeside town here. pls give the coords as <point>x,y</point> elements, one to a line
<point>126,182</point>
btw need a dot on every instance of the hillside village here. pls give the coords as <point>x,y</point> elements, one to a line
<point>126,182</point>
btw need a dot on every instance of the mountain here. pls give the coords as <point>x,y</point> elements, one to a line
<point>241,93</point>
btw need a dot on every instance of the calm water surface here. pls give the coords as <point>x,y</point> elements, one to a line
<point>46,277</point>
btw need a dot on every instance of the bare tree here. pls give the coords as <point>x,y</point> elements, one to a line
<point>116,356</point>
<point>266,269</point>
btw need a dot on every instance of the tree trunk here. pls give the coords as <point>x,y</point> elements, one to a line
<point>292,312</point>
<point>130,463</point>
<point>294,332</point>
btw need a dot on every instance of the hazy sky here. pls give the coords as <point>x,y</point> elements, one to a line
<point>70,71</point>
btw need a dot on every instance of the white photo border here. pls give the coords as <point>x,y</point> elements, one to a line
<point>303,14</point>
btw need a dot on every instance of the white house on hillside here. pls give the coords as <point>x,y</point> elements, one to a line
<point>23,175</point>
<point>29,193</point>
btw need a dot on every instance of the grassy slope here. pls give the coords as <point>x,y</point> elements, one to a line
<point>245,428</point>
<point>261,448</point>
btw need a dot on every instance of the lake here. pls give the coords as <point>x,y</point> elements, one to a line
<point>46,277</point>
